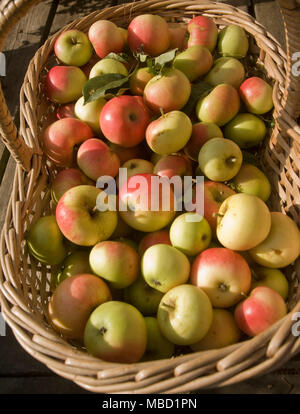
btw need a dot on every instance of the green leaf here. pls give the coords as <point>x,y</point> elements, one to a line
<point>120,57</point>
<point>103,85</point>
<point>199,90</point>
<point>166,58</point>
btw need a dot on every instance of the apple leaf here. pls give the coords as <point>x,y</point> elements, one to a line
<point>157,64</point>
<point>166,58</point>
<point>199,90</point>
<point>106,85</point>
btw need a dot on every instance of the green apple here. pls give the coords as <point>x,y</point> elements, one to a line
<point>220,159</point>
<point>158,347</point>
<point>143,297</point>
<point>194,62</point>
<point>222,332</point>
<point>74,264</point>
<point>251,180</point>
<point>273,278</point>
<point>247,130</point>
<point>282,244</point>
<point>45,241</point>
<point>72,47</point>
<point>116,332</point>
<point>190,233</point>
<point>90,112</point>
<point>116,262</point>
<point>244,221</point>
<point>169,133</point>
<point>233,41</point>
<point>226,70</point>
<point>185,314</point>
<point>164,267</point>
<point>108,65</point>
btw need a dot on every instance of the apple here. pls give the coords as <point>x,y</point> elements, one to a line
<point>106,37</point>
<point>220,159</point>
<point>116,262</point>
<point>201,132</point>
<point>222,332</point>
<point>74,264</point>
<point>126,154</point>
<point>156,237</point>
<point>167,92</point>
<point>116,332</point>
<point>122,229</point>
<point>88,66</point>
<point>203,31</point>
<point>158,347</point>
<point>188,235</point>
<point>164,267</point>
<point>260,310</point>
<point>63,84</point>
<point>247,130</point>
<point>138,81</point>
<point>185,315</point>
<point>233,42</point>
<point>244,221</point>
<point>223,274</point>
<point>72,47</point>
<point>169,133</point>
<point>62,136</point>
<point>66,179</point>
<point>148,33</point>
<point>124,33</point>
<point>95,159</point>
<point>178,36</point>
<point>137,197</point>
<point>281,247</point>
<point>272,278</point>
<point>219,106</point>
<point>214,195</point>
<point>124,119</point>
<point>256,95</point>
<point>251,180</point>
<point>194,62</point>
<point>129,242</point>
<point>73,301</point>
<point>80,221</point>
<point>137,166</point>
<point>45,241</point>
<point>108,65</point>
<point>145,298</point>
<point>173,165</point>
<point>226,70</point>
<point>90,112</point>
<point>66,111</point>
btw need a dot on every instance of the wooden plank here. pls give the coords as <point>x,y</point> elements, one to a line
<point>268,14</point>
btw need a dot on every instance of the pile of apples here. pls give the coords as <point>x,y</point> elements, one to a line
<point>160,99</point>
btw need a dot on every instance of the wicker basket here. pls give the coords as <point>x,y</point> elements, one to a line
<point>25,285</point>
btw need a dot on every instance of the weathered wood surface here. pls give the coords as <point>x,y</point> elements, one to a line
<point>19,372</point>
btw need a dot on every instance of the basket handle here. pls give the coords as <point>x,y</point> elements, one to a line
<point>290,10</point>
<point>10,13</point>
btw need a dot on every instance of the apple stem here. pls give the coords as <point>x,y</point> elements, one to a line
<point>162,112</point>
<point>223,287</point>
<point>218,215</point>
<point>168,306</point>
<point>231,160</point>
<point>102,330</point>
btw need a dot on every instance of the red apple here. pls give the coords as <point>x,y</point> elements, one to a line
<point>223,274</point>
<point>63,84</point>
<point>66,111</point>
<point>66,179</point>
<point>73,301</point>
<point>201,132</point>
<point>178,33</point>
<point>137,198</point>
<point>157,237</point>
<point>260,310</point>
<point>106,37</point>
<point>168,92</point>
<point>149,33</point>
<point>174,164</point>
<point>61,137</point>
<point>203,31</point>
<point>256,95</point>
<point>95,159</point>
<point>124,119</point>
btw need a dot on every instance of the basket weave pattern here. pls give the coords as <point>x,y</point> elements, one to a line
<point>25,284</point>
